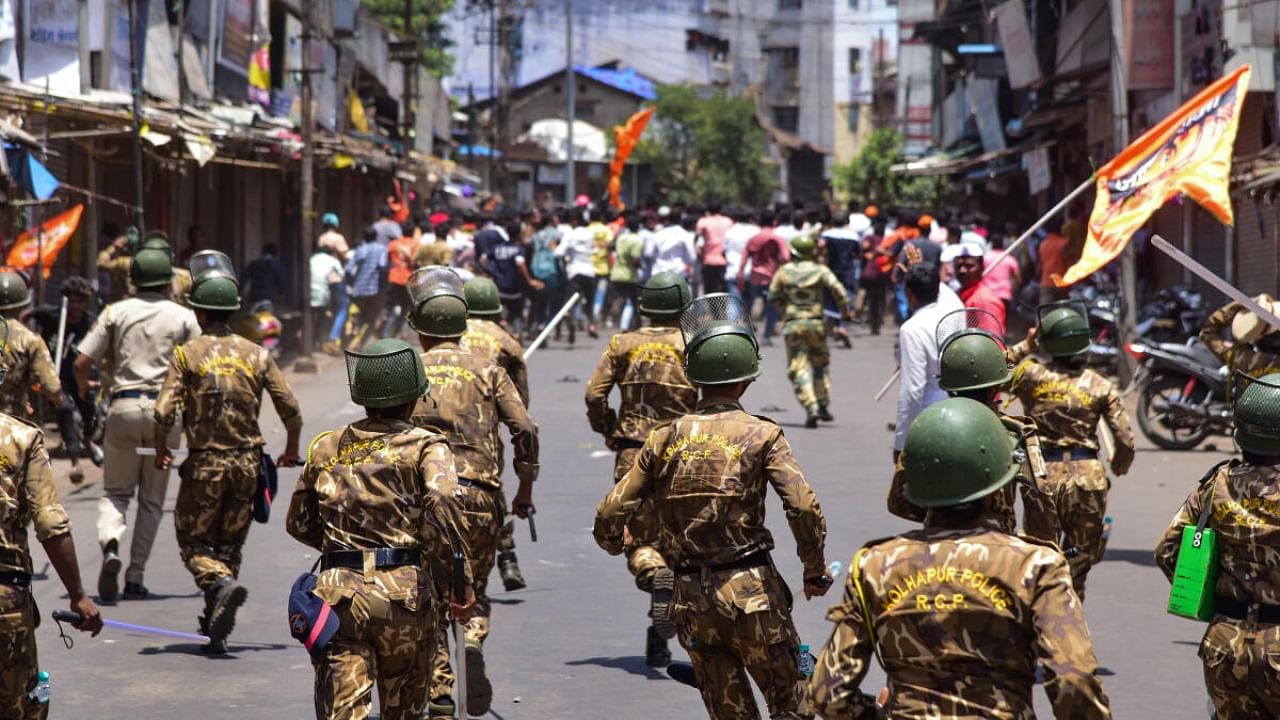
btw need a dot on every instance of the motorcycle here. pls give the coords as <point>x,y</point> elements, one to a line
<point>259,324</point>
<point>1172,316</point>
<point>1182,398</point>
<point>1104,304</point>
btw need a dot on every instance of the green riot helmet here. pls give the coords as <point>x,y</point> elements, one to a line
<point>132,240</point>
<point>1064,328</point>
<point>14,292</point>
<point>664,296</point>
<point>803,247</point>
<point>971,352</point>
<point>957,451</point>
<point>211,263</point>
<point>215,292</point>
<point>437,303</point>
<point>151,268</point>
<point>157,240</point>
<point>720,345</point>
<point>388,373</point>
<point>1257,415</point>
<point>482,298</point>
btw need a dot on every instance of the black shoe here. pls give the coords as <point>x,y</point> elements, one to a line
<point>656,652</point>
<point>109,577</point>
<point>509,568</point>
<point>682,672</point>
<point>479,691</point>
<point>846,341</point>
<point>215,647</point>
<point>228,596</point>
<point>135,591</point>
<point>824,414</point>
<point>664,586</point>
<point>811,419</point>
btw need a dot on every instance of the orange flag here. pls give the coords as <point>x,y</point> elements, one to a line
<point>1189,152</point>
<point>57,231</point>
<point>625,137</point>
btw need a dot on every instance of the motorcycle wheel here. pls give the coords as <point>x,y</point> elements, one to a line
<point>1160,391</point>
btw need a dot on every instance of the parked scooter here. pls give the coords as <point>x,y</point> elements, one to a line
<point>259,324</point>
<point>1182,393</point>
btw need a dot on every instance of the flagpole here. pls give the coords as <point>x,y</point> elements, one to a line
<point>1208,276</point>
<point>1040,223</point>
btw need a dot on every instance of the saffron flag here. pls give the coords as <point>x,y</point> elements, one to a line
<point>57,230</point>
<point>625,136</point>
<point>1189,152</point>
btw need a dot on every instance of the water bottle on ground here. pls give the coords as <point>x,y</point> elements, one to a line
<point>805,662</point>
<point>835,567</point>
<point>1106,528</point>
<point>40,693</point>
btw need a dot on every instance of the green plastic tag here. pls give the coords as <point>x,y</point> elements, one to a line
<point>1195,574</point>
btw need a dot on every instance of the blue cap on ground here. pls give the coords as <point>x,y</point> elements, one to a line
<point>311,621</point>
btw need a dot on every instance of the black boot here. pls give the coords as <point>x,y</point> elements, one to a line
<point>109,577</point>
<point>824,414</point>
<point>664,585</point>
<point>509,568</point>
<point>228,596</point>
<point>656,652</point>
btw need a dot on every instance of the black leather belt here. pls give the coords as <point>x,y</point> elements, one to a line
<point>755,559</point>
<point>134,395</point>
<point>15,579</point>
<point>384,558</point>
<point>1237,610</point>
<point>473,484</point>
<point>628,444</point>
<point>1067,454</point>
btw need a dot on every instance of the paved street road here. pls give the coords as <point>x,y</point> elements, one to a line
<point>571,645</point>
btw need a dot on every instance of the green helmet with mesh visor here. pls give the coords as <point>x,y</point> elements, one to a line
<point>1064,328</point>
<point>1257,414</point>
<point>971,352</point>
<point>720,344</point>
<point>437,302</point>
<point>211,263</point>
<point>387,373</point>
<point>665,295</point>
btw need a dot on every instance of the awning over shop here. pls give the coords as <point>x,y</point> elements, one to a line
<point>977,166</point>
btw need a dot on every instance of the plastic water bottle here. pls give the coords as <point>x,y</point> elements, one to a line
<point>1106,528</point>
<point>834,568</point>
<point>40,693</point>
<point>805,662</point>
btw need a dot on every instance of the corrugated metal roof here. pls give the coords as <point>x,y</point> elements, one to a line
<point>625,80</point>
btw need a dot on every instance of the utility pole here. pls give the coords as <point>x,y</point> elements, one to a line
<point>506,68</point>
<point>82,46</point>
<point>410,82</point>
<point>306,186</point>
<point>493,96</point>
<point>570,192</point>
<point>135,83</point>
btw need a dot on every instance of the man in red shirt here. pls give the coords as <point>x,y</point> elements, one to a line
<point>400,266</point>
<point>967,266</point>
<point>765,252</point>
<point>710,231</point>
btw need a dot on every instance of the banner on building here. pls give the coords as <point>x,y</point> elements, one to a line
<point>1038,177</point>
<point>625,136</point>
<point>1188,153</point>
<point>1149,28</point>
<point>1019,51</point>
<point>50,56</point>
<point>31,249</point>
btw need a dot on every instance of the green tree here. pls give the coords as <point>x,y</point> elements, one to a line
<point>703,147</point>
<point>428,26</point>
<point>868,176</point>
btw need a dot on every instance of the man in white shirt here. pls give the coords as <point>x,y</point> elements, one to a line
<point>735,243</point>
<point>918,346</point>
<point>672,249</point>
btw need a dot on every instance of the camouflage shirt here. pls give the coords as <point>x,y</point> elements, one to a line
<point>433,253</point>
<point>707,474</point>
<point>1066,405</point>
<point>1245,516</point>
<point>27,362</point>
<point>798,288</point>
<point>378,483</point>
<point>180,286</point>
<point>1247,358</point>
<point>497,345</point>
<point>27,494</point>
<point>470,396</point>
<point>960,618</point>
<point>218,381</point>
<point>647,365</point>
<point>117,267</point>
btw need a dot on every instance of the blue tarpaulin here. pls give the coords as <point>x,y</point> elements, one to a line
<point>32,176</point>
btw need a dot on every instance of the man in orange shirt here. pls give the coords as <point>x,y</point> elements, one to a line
<point>400,266</point>
<point>1054,260</point>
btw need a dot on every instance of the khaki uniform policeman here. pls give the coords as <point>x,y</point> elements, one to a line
<point>647,366</point>
<point>959,613</point>
<point>116,260</point>
<point>800,289</point>
<point>485,336</point>
<point>705,477</point>
<point>1242,642</point>
<point>25,358</point>
<point>140,334</point>
<point>1066,401</point>
<point>379,499</point>
<point>217,380</point>
<point>470,398</point>
<point>1256,351</point>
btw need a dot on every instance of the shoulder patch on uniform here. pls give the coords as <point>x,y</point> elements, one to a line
<point>316,441</point>
<point>1039,541</point>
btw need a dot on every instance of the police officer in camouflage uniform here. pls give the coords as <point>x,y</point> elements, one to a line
<point>487,337</point>
<point>217,381</point>
<point>702,479</point>
<point>1256,351</point>
<point>116,260</point>
<point>1066,401</point>
<point>25,357</point>
<point>470,398</point>
<point>973,363</point>
<point>380,500</point>
<point>959,613</point>
<point>180,286</point>
<point>28,497</point>
<point>800,289</point>
<point>1242,642</point>
<point>647,366</point>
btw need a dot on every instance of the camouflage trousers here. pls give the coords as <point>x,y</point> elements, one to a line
<point>1242,669</point>
<point>1077,518</point>
<point>808,359</point>
<point>386,638</point>
<point>736,626</point>
<point>643,559</point>
<point>483,512</point>
<point>214,511</point>
<point>18,661</point>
